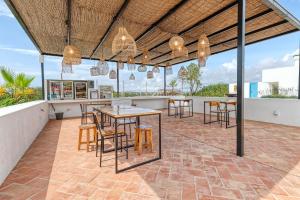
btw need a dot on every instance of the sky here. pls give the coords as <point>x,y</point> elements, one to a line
<point>19,54</point>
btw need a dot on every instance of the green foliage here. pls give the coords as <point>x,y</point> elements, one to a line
<point>215,90</point>
<point>193,78</point>
<point>279,96</point>
<point>16,88</point>
<point>173,84</point>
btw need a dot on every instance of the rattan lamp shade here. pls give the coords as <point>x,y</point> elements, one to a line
<point>203,50</point>
<point>66,68</point>
<point>146,58</point>
<point>112,74</point>
<point>142,68</point>
<point>155,69</point>
<point>176,42</point>
<point>132,77</point>
<point>131,63</point>
<point>150,74</point>
<point>169,70</point>
<point>103,67</point>
<point>120,65</point>
<point>72,55</point>
<point>123,42</point>
<point>182,73</point>
<point>94,71</point>
<point>180,52</point>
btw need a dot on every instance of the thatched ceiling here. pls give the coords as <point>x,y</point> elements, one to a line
<point>151,22</point>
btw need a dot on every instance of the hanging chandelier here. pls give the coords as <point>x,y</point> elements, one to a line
<point>66,68</point>
<point>132,77</point>
<point>150,74</point>
<point>180,52</point>
<point>124,43</point>
<point>120,65</point>
<point>112,74</point>
<point>182,73</point>
<point>103,66</point>
<point>169,70</point>
<point>155,69</point>
<point>176,42</point>
<point>142,68</point>
<point>131,63</point>
<point>146,58</point>
<point>203,50</point>
<point>72,55</point>
<point>94,71</point>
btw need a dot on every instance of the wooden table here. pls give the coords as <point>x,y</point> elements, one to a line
<point>182,106</point>
<point>120,112</point>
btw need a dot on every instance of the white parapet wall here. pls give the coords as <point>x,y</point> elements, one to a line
<point>271,110</point>
<point>19,126</point>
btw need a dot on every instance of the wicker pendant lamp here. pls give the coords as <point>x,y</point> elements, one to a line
<point>94,71</point>
<point>71,54</point>
<point>103,65</point>
<point>123,42</point>
<point>182,73</point>
<point>176,42</point>
<point>120,65</point>
<point>66,68</point>
<point>180,52</point>
<point>142,68</point>
<point>169,70</point>
<point>150,74</point>
<point>156,69</point>
<point>146,58</point>
<point>203,50</point>
<point>112,74</point>
<point>131,77</point>
<point>131,63</point>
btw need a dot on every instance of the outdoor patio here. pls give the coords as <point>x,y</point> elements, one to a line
<point>198,162</point>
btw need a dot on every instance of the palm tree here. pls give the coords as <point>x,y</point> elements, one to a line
<point>15,82</point>
<point>173,84</point>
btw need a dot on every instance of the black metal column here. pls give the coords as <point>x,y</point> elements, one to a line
<point>118,83</point>
<point>299,73</point>
<point>165,81</point>
<point>240,78</point>
<point>42,76</point>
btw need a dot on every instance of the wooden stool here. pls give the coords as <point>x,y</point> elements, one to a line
<point>148,137</point>
<point>86,127</point>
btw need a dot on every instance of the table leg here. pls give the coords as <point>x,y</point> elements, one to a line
<point>159,135</point>
<point>116,146</point>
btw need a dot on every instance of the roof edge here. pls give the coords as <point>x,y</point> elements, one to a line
<point>283,12</point>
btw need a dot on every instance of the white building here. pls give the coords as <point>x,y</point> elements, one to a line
<point>282,81</point>
<point>284,78</point>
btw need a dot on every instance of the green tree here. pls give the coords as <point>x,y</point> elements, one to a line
<point>215,90</point>
<point>15,82</point>
<point>193,78</point>
<point>173,84</point>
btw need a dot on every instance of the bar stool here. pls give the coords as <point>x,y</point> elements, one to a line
<point>148,137</point>
<point>87,128</point>
<point>172,105</point>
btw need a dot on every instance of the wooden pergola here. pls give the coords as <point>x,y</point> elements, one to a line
<point>229,24</point>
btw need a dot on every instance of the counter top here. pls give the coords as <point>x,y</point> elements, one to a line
<point>113,99</point>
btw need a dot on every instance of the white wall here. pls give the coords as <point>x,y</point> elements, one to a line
<point>19,126</point>
<point>278,111</point>
<point>287,78</point>
<point>232,89</point>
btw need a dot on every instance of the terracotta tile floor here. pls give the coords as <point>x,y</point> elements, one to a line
<point>197,163</point>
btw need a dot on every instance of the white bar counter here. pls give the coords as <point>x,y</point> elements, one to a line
<point>71,108</point>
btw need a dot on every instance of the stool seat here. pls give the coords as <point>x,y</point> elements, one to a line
<point>87,126</point>
<point>144,126</point>
<point>148,137</point>
<point>106,133</point>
